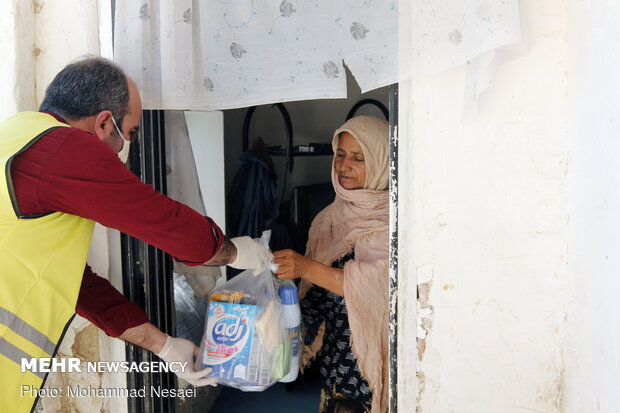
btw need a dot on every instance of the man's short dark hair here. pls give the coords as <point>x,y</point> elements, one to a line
<point>87,87</point>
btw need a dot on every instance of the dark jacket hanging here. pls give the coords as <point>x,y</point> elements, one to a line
<point>252,200</point>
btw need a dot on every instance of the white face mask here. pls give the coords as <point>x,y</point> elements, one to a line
<point>123,154</point>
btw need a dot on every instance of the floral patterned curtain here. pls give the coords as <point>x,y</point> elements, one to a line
<point>221,54</point>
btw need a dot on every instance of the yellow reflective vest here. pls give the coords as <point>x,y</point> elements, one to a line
<point>42,261</point>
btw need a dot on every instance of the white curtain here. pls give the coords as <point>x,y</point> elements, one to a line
<point>221,54</point>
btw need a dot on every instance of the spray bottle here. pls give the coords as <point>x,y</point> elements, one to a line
<point>291,317</point>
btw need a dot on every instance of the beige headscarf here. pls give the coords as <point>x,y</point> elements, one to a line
<point>359,219</point>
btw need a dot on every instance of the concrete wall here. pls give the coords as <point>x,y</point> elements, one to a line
<point>487,239</point>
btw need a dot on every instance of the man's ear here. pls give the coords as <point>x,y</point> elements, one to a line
<point>103,126</point>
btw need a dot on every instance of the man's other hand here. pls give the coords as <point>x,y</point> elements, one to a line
<point>184,351</point>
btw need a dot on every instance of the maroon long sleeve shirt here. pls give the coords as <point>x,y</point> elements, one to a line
<point>72,171</point>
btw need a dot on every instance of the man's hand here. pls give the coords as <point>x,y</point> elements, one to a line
<point>169,349</point>
<point>250,255</point>
<point>179,349</point>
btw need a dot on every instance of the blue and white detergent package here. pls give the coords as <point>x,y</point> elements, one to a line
<point>228,342</point>
<point>244,341</point>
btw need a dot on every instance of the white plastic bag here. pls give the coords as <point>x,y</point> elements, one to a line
<point>244,340</point>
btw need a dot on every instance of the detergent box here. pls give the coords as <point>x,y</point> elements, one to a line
<point>232,348</point>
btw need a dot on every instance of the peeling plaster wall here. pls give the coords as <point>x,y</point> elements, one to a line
<point>88,343</point>
<point>487,239</point>
<point>592,365</point>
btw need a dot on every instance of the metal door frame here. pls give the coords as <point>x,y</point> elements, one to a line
<point>147,271</point>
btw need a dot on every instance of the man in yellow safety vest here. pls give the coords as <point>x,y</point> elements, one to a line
<point>59,173</point>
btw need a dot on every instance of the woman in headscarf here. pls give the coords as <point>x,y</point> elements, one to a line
<point>344,275</point>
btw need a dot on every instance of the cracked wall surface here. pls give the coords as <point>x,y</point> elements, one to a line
<point>425,317</point>
<point>489,235</point>
<point>424,324</point>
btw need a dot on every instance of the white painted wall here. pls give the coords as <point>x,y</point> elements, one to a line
<point>206,134</point>
<point>487,239</point>
<point>592,363</point>
<point>195,164</point>
<point>407,323</point>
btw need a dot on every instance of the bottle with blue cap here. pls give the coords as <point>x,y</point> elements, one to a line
<point>291,317</point>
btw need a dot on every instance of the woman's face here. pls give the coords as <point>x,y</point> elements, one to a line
<point>349,162</point>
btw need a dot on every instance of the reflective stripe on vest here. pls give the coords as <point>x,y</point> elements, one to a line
<point>26,331</point>
<point>13,353</point>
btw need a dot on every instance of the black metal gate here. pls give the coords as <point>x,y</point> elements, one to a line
<point>147,271</point>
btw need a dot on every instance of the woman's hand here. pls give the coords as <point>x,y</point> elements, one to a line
<point>291,265</point>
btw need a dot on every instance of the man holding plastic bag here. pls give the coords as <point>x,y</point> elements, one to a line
<point>244,252</point>
<point>61,174</point>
